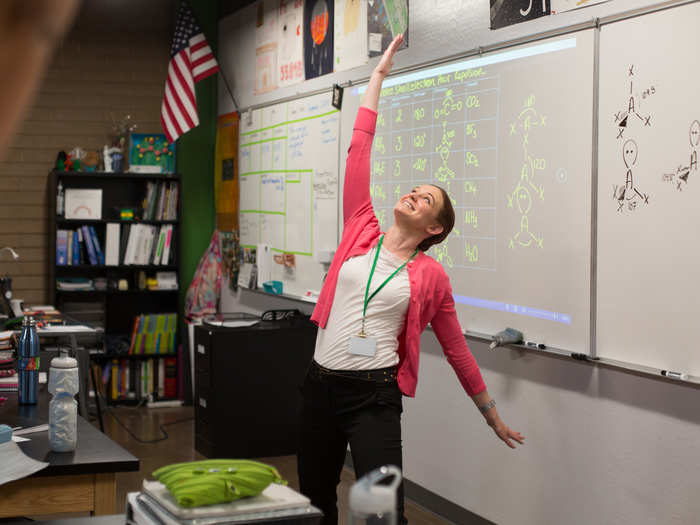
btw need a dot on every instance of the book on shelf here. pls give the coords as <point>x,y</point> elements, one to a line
<point>160,201</point>
<point>71,245</point>
<point>92,254</point>
<point>75,254</point>
<point>170,374</point>
<point>81,247</point>
<point>112,244</point>
<point>134,244</point>
<point>96,244</point>
<point>153,334</point>
<point>145,244</point>
<point>61,247</point>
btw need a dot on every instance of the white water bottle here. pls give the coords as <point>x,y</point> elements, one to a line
<point>373,502</point>
<point>63,408</point>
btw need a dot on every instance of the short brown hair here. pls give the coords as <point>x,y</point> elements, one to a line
<point>446,219</point>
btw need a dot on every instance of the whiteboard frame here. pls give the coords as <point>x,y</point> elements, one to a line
<point>596,24</point>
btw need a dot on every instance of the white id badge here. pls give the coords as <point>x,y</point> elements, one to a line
<point>365,346</point>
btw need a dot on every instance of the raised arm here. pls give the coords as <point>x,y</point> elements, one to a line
<point>356,197</point>
<point>371,97</point>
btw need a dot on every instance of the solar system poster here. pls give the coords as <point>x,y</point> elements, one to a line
<point>318,37</point>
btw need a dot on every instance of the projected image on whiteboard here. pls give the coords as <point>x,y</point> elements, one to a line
<point>508,135</point>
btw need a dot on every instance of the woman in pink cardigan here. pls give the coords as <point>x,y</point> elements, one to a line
<point>380,293</point>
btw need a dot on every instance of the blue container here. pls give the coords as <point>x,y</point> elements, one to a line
<point>28,362</point>
<point>273,287</point>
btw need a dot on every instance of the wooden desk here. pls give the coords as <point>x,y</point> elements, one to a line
<point>78,481</point>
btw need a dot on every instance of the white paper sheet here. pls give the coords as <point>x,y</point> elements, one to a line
<point>16,464</point>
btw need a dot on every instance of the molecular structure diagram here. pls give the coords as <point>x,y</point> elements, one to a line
<point>679,177</point>
<point>629,194</point>
<point>622,118</point>
<point>521,198</point>
<point>628,197</point>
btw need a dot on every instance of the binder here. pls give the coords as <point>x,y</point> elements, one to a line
<point>166,248</point>
<point>96,244</point>
<point>112,244</point>
<point>69,249</point>
<point>92,256</point>
<point>77,256</point>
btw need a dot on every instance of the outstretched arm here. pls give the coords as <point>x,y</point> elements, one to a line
<point>482,400</point>
<point>449,333</point>
<point>356,197</point>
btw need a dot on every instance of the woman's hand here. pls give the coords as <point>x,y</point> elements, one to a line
<point>371,97</point>
<point>384,66</point>
<point>506,434</point>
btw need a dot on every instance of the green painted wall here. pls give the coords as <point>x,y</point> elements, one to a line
<point>195,161</point>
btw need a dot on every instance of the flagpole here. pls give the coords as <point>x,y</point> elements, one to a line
<point>228,88</point>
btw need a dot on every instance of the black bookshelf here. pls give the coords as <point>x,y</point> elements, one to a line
<point>118,307</point>
<point>134,357</point>
<point>72,222</point>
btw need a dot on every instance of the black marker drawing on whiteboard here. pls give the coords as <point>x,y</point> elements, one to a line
<point>628,196</point>
<point>679,177</point>
<point>622,117</point>
<point>522,196</point>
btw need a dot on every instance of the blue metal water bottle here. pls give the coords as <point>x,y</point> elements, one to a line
<point>28,362</point>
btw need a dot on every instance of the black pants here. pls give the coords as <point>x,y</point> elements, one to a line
<point>338,408</point>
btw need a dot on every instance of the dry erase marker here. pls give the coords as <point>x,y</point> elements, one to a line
<point>541,346</point>
<point>674,375</point>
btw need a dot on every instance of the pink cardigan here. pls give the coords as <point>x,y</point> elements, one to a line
<point>431,293</point>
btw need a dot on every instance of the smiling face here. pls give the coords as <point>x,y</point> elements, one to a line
<point>629,153</point>
<point>419,209</point>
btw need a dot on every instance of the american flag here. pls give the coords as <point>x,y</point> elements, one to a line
<point>191,60</point>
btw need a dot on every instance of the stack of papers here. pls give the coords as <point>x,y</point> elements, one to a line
<point>76,283</point>
<point>155,505</point>
<point>8,372</point>
<point>5,342</point>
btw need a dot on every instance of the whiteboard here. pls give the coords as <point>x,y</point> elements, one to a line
<point>509,136</point>
<point>649,191</point>
<point>289,187</point>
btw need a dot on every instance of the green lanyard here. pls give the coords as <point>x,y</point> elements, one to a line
<point>369,281</point>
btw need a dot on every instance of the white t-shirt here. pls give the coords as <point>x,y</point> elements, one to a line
<point>386,313</point>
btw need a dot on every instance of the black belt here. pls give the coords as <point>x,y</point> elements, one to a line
<point>378,374</point>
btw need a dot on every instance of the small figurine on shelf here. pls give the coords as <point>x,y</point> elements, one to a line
<point>68,163</point>
<point>91,161</point>
<point>109,158</point>
<point>77,154</point>
<point>61,161</point>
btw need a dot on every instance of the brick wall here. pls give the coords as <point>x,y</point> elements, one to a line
<point>112,63</point>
